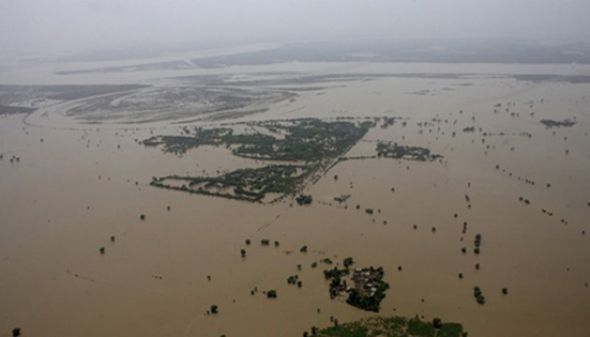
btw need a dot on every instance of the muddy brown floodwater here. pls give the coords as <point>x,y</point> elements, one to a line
<point>76,185</point>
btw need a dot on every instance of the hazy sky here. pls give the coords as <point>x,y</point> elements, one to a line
<point>74,25</point>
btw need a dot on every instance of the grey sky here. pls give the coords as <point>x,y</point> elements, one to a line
<point>75,25</point>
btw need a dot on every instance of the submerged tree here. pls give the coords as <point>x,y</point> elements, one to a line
<point>348,262</point>
<point>271,293</point>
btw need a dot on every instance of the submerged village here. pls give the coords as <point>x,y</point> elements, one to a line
<point>307,149</point>
<point>318,146</point>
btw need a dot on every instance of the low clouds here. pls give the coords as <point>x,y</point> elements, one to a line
<point>76,25</point>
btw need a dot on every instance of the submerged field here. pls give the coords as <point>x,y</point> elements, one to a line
<point>468,185</point>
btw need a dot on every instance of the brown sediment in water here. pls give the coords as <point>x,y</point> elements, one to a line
<point>68,194</point>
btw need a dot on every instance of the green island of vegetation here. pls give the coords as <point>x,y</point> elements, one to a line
<point>365,286</point>
<point>308,145</point>
<point>396,151</point>
<point>252,184</point>
<point>394,326</point>
<point>297,140</point>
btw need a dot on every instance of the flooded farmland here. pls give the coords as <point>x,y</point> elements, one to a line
<point>90,247</point>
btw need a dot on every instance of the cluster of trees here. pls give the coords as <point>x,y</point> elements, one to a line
<point>549,123</point>
<point>391,326</point>
<point>251,184</point>
<point>304,199</point>
<point>347,262</point>
<point>396,151</point>
<point>369,287</point>
<point>294,280</point>
<point>271,293</point>
<point>477,243</point>
<point>305,139</point>
<point>478,294</point>
<point>312,141</point>
<point>369,290</point>
<point>526,201</point>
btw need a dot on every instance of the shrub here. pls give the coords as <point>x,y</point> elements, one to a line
<point>303,199</point>
<point>437,323</point>
<point>271,293</point>
<point>478,294</point>
<point>347,262</point>
<point>214,309</point>
<point>292,279</point>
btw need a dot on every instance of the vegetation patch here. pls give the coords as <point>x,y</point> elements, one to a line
<point>309,145</point>
<point>477,244</point>
<point>271,294</point>
<point>394,326</point>
<point>252,184</point>
<point>294,140</point>
<point>304,199</point>
<point>566,123</point>
<point>396,151</point>
<point>364,287</point>
<point>479,297</point>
